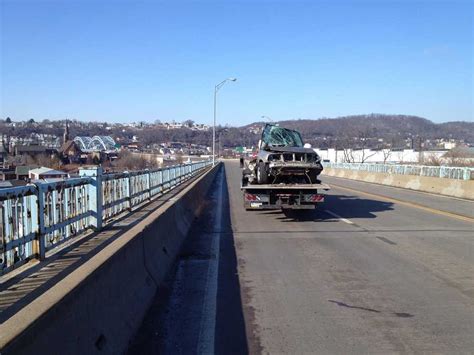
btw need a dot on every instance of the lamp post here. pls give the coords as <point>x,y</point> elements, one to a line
<point>268,118</point>
<point>216,89</point>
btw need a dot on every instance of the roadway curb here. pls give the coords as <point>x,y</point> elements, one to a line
<point>100,305</point>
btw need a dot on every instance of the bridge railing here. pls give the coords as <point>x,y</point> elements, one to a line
<point>38,217</point>
<point>459,173</point>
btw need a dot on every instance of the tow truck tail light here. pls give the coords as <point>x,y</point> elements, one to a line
<point>317,198</point>
<point>251,197</point>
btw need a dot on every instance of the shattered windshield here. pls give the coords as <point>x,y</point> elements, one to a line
<point>281,137</point>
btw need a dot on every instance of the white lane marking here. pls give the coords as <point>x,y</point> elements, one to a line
<point>207,328</point>
<point>339,217</point>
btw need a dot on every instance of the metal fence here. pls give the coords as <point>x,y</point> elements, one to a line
<point>40,216</point>
<point>420,170</point>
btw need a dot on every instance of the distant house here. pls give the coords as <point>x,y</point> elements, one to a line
<point>31,150</point>
<point>7,174</point>
<point>44,173</point>
<point>132,146</point>
<point>3,154</point>
<point>70,152</point>
<point>23,172</point>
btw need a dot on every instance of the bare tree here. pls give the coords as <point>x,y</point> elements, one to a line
<point>433,160</point>
<point>179,158</point>
<point>50,161</point>
<point>364,137</point>
<point>348,156</point>
<point>459,157</point>
<point>129,161</point>
<point>366,154</point>
<point>387,153</point>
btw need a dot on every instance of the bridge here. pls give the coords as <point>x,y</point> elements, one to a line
<point>95,143</point>
<point>168,261</point>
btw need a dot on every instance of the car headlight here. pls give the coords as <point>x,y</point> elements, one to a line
<point>274,157</point>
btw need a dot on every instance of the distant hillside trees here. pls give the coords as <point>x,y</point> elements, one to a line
<point>376,131</point>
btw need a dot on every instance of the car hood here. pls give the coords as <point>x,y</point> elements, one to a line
<point>290,150</point>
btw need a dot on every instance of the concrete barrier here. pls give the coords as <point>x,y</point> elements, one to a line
<point>100,305</point>
<point>447,187</point>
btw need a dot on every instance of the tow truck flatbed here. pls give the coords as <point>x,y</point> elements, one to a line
<point>320,186</point>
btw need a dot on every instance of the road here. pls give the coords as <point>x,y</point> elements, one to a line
<point>363,274</point>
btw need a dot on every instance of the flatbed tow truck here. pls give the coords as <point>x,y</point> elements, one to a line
<point>282,174</point>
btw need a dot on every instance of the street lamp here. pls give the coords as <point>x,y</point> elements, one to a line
<point>216,89</point>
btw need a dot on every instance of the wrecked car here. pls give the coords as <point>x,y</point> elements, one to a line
<point>283,158</point>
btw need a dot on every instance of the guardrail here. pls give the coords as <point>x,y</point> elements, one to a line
<point>40,216</point>
<point>420,170</point>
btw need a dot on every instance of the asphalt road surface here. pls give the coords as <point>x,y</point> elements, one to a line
<point>363,274</point>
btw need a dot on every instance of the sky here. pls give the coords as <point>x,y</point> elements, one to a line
<point>124,61</point>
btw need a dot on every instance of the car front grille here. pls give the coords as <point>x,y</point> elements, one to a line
<point>287,157</point>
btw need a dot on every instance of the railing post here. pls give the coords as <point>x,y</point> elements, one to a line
<point>41,226</point>
<point>148,182</point>
<point>95,194</point>
<point>128,182</point>
<point>467,174</point>
<point>166,178</point>
<point>160,180</point>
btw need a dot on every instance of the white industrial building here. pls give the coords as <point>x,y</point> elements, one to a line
<point>377,156</point>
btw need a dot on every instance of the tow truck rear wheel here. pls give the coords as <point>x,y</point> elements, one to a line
<point>262,173</point>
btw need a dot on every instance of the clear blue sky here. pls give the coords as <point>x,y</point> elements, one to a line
<point>128,61</point>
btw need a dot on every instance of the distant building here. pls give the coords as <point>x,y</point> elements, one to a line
<point>70,152</point>
<point>131,144</point>
<point>31,150</point>
<point>7,174</point>
<point>449,145</point>
<point>3,154</point>
<point>22,172</point>
<point>44,173</point>
<point>66,133</point>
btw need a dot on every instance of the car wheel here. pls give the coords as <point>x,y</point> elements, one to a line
<point>262,174</point>
<point>313,177</point>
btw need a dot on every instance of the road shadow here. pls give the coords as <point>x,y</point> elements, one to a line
<point>231,332</point>
<point>345,206</point>
<point>178,315</point>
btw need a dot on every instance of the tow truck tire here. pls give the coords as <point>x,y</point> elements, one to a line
<point>262,173</point>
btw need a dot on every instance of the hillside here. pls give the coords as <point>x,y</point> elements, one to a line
<point>373,130</point>
<point>394,129</point>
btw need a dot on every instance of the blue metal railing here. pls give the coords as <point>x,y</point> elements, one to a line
<point>40,216</point>
<point>446,172</point>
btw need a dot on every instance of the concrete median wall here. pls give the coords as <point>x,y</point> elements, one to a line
<point>447,187</point>
<point>100,305</point>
